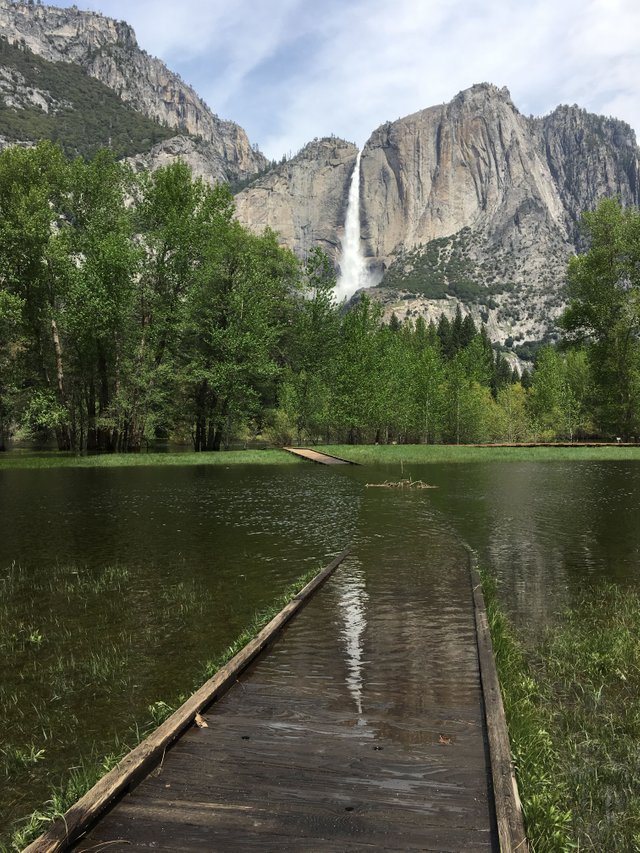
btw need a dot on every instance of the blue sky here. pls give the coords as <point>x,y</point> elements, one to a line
<point>290,70</point>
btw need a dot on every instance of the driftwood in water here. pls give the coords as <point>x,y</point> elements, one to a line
<point>400,484</point>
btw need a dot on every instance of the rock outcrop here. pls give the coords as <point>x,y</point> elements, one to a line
<point>471,163</point>
<point>303,199</point>
<point>468,203</point>
<point>108,51</point>
<point>197,153</point>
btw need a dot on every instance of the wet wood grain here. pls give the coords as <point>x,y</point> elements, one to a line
<point>316,456</point>
<point>152,750</point>
<point>293,760</point>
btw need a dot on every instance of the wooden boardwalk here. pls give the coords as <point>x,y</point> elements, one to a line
<point>362,728</point>
<point>316,456</point>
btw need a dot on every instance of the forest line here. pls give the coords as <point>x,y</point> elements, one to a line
<point>134,306</point>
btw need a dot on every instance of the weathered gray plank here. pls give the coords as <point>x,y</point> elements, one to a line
<point>509,818</point>
<point>133,767</point>
<point>317,456</point>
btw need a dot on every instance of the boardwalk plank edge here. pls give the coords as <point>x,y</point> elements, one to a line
<point>508,808</point>
<point>67,829</point>
<point>317,456</point>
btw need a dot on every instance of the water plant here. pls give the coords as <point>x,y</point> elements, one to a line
<point>574,722</point>
<point>528,712</point>
<point>85,773</point>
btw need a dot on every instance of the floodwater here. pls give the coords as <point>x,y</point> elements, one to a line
<point>116,585</point>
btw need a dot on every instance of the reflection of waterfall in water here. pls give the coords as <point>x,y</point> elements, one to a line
<point>352,602</point>
<point>353,270</point>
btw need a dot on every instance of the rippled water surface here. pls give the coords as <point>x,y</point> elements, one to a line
<point>116,584</point>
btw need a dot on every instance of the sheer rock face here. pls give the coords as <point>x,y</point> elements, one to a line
<point>304,199</point>
<point>508,190</point>
<point>198,154</point>
<point>470,163</point>
<point>468,203</point>
<point>108,50</point>
<point>589,157</point>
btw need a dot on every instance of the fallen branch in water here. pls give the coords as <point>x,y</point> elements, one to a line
<point>400,484</point>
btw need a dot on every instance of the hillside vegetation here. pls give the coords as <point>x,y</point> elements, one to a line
<point>60,102</point>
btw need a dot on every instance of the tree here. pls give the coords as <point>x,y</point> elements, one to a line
<point>604,313</point>
<point>181,220</point>
<point>429,390</point>
<point>96,265</point>
<point>468,396</point>
<point>558,397</point>
<point>447,345</point>
<point>11,344</point>
<point>310,348</point>
<point>511,421</point>
<point>356,385</point>
<point>33,188</point>
<point>234,320</point>
<point>501,374</point>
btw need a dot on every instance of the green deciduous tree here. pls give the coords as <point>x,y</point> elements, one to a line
<point>235,317</point>
<point>604,313</point>
<point>33,186</point>
<point>310,347</point>
<point>357,392</point>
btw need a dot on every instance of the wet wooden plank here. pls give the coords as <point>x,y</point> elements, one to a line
<point>299,756</point>
<point>151,751</point>
<point>509,817</point>
<point>316,456</point>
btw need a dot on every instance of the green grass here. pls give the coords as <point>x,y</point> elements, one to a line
<point>370,454</point>
<point>15,459</point>
<point>102,667</point>
<point>365,454</point>
<point>574,722</point>
<point>527,706</point>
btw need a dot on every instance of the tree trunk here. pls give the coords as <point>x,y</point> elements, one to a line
<point>92,436</point>
<point>63,435</point>
<point>200,432</point>
<point>104,434</point>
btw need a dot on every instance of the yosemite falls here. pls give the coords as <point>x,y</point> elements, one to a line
<point>353,270</point>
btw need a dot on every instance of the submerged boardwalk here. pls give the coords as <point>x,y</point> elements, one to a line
<point>316,456</point>
<point>361,728</point>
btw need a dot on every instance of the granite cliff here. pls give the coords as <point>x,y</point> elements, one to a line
<point>107,50</point>
<point>303,199</point>
<point>468,203</point>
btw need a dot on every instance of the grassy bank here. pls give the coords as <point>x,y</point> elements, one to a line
<point>364,454</point>
<point>51,459</point>
<point>92,767</point>
<point>574,723</point>
<point>370,454</point>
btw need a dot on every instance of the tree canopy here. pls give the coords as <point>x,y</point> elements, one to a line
<point>604,313</point>
<point>135,307</point>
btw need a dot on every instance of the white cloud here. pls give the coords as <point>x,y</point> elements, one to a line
<point>290,70</point>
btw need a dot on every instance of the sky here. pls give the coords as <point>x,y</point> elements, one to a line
<point>288,71</point>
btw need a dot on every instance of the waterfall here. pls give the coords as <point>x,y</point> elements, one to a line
<point>353,270</point>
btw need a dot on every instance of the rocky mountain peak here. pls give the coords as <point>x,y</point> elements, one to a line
<point>108,51</point>
<point>487,92</point>
<point>466,204</point>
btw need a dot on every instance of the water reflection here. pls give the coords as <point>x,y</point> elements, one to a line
<point>203,548</point>
<point>352,604</point>
<point>547,529</point>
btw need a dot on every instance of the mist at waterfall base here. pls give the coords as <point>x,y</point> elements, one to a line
<point>353,268</point>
